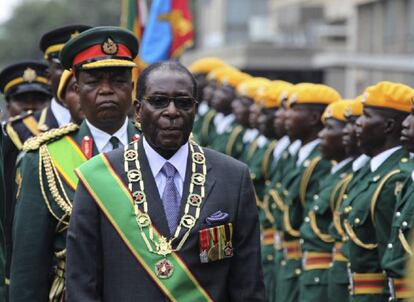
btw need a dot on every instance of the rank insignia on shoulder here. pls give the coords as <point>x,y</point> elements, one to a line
<point>216,243</point>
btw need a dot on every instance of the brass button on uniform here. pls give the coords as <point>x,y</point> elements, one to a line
<point>307,219</point>
<point>269,257</point>
<point>404,224</point>
<point>298,271</point>
<point>398,214</point>
<point>316,279</point>
<point>389,245</point>
<point>357,220</point>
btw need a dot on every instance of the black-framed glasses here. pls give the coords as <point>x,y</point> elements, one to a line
<point>163,101</point>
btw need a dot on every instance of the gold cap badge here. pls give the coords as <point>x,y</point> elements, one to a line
<point>109,47</point>
<point>29,75</point>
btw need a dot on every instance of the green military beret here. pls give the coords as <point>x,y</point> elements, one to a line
<point>99,47</point>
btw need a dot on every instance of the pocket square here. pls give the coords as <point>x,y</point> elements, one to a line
<point>218,217</point>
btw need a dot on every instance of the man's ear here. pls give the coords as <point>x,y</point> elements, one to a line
<point>76,87</point>
<point>137,105</point>
<point>389,125</point>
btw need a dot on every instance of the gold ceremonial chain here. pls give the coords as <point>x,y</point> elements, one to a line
<point>51,175</point>
<point>164,246</point>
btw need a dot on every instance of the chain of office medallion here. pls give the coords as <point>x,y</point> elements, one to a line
<point>192,207</point>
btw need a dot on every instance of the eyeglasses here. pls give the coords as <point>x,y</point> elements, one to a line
<point>163,101</point>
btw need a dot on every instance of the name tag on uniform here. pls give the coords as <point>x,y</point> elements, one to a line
<point>216,243</point>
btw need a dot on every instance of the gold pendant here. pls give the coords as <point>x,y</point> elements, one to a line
<point>164,246</point>
<point>164,269</point>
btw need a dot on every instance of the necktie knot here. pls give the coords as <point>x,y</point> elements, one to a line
<point>114,142</point>
<point>168,170</point>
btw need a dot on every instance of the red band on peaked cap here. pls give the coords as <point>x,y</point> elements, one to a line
<point>95,51</point>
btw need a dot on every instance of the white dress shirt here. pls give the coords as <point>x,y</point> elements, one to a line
<point>156,162</point>
<point>378,159</point>
<point>340,165</point>
<point>250,135</point>
<point>281,146</point>
<point>218,118</point>
<point>61,113</point>
<point>261,141</point>
<point>203,108</point>
<point>359,162</point>
<point>101,138</point>
<point>294,147</point>
<point>306,150</point>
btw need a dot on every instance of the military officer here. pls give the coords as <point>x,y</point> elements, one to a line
<point>399,247</point>
<point>102,59</point>
<point>56,115</point>
<point>317,243</point>
<point>338,281</point>
<point>302,182</point>
<point>370,203</point>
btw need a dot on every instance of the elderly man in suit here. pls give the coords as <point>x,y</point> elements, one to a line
<point>164,219</point>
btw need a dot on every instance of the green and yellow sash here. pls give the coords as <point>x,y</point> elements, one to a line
<point>115,201</point>
<point>67,156</point>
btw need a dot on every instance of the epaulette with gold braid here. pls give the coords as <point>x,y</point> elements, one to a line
<point>35,142</point>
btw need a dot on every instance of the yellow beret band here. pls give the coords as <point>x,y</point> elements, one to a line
<point>20,80</point>
<point>53,48</point>
<point>109,63</point>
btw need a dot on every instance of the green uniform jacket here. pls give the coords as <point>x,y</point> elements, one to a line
<point>399,246</point>
<point>207,132</point>
<point>39,228</point>
<point>369,207</point>
<point>2,209</point>
<point>230,142</point>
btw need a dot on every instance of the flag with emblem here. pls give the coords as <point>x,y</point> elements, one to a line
<point>168,32</point>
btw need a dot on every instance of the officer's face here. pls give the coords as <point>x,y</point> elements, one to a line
<point>72,102</point>
<point>331,140</point>
<point>240,107</point>
<point>279,122</point>
<point>370,130</point>
<point>27,101</point>
<point>407,134</point>
<point>167,129</point>
<point>349,139</point>
<point>105,96</point>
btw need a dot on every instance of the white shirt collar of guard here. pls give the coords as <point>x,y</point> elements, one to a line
<point>377,160</point>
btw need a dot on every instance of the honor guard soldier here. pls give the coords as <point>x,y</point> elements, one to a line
<point>316,242</point>
<point>207,131</point>
<point>270,100</point>
<point>370,204</point>
<point>3,287</point>
<point>338,282</point>
<point>67,95</point>
<point>200,69</point>
<point>56,114</point>
<point>101,59</point>
<point>224,120</point>
<point>300,184</point>
<point>178,218</point>
<point>399,248</point>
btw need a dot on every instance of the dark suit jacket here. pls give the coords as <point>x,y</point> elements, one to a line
<point>101,268</point>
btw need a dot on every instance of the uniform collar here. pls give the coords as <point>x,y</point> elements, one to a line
<point>250,134</point>
<point>294,147</point>
<point>203,108</point>
<point>225,122</point>
<point>61,113</point>
<point>378,159</point>
<point>359,162</point>
<point>340,165</point>
<point>281,146</point>
<point>156,161</point>
<point>306,150</point>
<point>101,138</point>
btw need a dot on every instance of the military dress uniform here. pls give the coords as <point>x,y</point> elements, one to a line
<point>399,247</point>
<point>44,202</point>
<point>296,192</point>
<point>316,242</point>
<point>370,205</point>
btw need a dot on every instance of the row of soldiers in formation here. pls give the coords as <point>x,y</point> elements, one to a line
<point>333,178</point>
